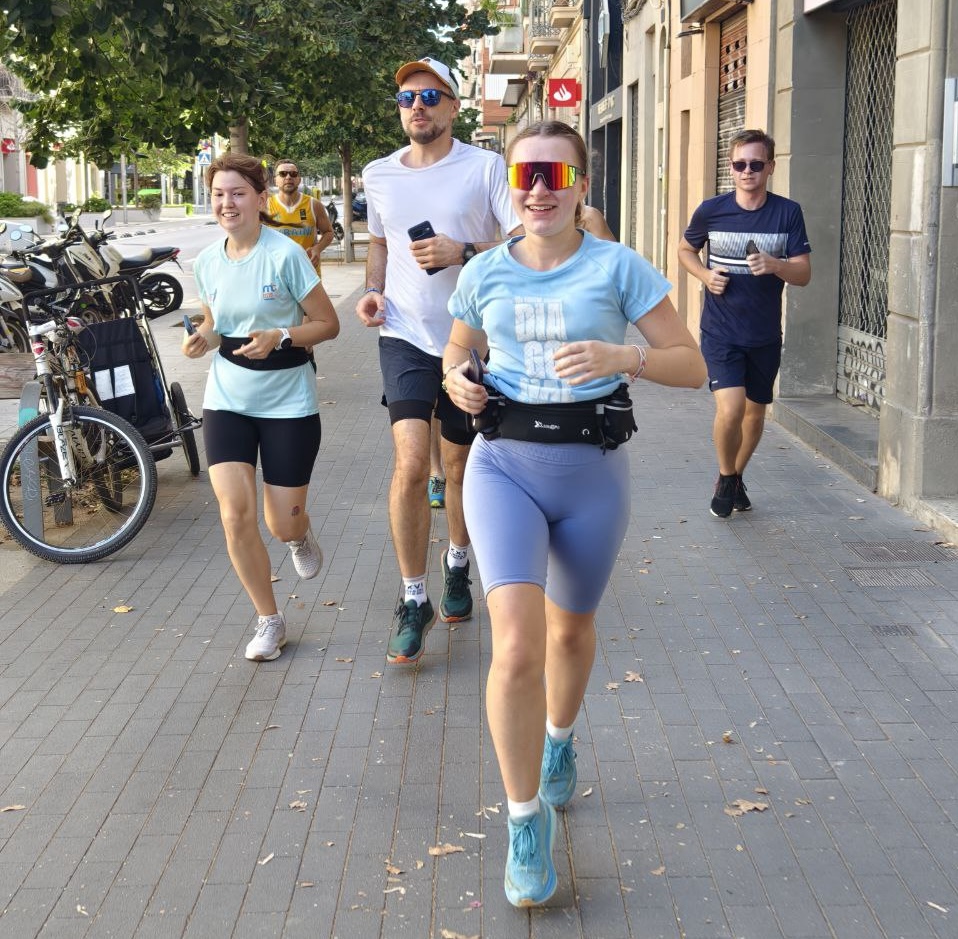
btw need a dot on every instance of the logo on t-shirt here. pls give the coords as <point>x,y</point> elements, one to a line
<point>269,291</point>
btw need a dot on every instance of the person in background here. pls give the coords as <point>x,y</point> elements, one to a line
<point>263,305</point>
<point>298,215</point>
<point>458,192</point>
<point>548,513</point>
<point>756,245</point>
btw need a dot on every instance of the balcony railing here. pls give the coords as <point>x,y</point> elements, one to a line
<point>563,13</point>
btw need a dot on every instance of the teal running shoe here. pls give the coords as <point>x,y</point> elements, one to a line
<point>530,874</point>
<point>411,622</point>
<point>455,604</point>
<point>558,776</point>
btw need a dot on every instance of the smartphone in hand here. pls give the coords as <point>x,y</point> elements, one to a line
<point>751,248</point>
<point>474,371</point>
<point>188,325</point>
<point>421,232</point>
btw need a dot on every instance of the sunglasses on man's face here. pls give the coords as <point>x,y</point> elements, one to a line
<point>554,176</point>
<point>284,173</point>
<point>756,166</point>
<point>430,97</point>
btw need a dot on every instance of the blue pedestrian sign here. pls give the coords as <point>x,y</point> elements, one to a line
<point>204,158</point>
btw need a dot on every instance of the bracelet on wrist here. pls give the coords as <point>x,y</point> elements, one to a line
<point>643,361</point>
<point>372,290</point>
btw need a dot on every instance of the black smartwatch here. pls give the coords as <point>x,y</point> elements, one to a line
<point>285,340</point>
<point>468,252</point>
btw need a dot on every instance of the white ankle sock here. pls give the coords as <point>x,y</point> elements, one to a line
<point>558,734</point>
<point>415,589</point>
<point>457,556</point>
<point>522,810</point>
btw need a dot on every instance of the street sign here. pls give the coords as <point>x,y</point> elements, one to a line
<point>204,158</point>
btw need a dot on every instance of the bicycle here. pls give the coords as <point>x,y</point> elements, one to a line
<point>78,482</point>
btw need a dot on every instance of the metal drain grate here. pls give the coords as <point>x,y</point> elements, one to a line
<point>896,577</point>
<point>893,629</point>
<point>907,552</point>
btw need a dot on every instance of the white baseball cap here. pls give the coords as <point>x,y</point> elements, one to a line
<point>428,64</point>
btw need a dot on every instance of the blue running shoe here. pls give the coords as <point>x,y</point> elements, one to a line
<point>558,776</point>
<point>437,492</point>
<point>530,874</point>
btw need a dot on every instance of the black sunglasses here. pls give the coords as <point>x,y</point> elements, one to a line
<point>430,97</point>
<point>756,166</point>
<point>285,173</point>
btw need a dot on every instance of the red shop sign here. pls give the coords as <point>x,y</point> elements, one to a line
<point>563,92</point>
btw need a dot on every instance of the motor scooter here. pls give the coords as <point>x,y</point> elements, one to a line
<point>161,292</point>
<point>333,214</point>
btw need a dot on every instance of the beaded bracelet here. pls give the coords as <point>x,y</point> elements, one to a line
<point>643,361</point>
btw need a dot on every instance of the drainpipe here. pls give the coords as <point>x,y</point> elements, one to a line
<point>666,47</point>
<point>933,179</point>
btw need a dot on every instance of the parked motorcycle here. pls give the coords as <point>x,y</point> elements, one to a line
<point>80,256</point>
<point>333,214</point>
<point>161,292</point>
<point>61,262</point>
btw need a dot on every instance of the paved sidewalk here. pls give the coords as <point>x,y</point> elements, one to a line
<point>768,746</point>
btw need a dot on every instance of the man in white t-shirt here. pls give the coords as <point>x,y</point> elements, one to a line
<point>461,191</point>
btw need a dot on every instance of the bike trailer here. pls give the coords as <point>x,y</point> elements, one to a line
<point>126,380</point>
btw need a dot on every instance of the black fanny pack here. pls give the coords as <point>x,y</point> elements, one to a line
<point>278,358</point>
<point>605,422</point>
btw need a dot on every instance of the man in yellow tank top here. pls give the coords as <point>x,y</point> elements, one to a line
<point>300,216</point>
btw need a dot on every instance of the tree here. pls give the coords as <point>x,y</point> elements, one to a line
<point>111,73</point>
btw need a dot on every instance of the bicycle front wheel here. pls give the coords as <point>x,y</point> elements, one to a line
<point>98,514</point>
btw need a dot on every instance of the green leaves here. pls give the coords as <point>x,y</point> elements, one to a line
<point>111,74</point>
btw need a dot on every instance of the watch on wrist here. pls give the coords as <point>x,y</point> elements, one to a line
<point>468,252</point>
<point>285,340</point>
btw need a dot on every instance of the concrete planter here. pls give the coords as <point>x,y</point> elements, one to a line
<point>173,211</point>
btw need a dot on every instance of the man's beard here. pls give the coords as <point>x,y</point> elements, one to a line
<point>427,134</point>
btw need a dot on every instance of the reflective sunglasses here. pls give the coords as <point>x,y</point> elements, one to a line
<point>285,173</point>
<point>554,176</point>
<point>756,166</point>
<point>430,97</point>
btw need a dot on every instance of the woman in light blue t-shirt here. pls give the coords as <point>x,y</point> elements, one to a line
<point>264,308</point>
<point>547,519</point>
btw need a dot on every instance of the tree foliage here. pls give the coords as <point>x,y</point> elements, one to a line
<point>112,73</point>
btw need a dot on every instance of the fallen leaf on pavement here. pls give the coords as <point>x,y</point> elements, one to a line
<point>611,685</point>
<point>299,805</point>
<point>440,850</point>
<point>269,857</point>
<point>634,676</point>
<point>449,934</point>
<point>12,808</point>
<point>741,806</point>
<point>123,609</point>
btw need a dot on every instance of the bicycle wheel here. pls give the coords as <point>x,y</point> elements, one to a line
<point>183,430</point>
<point>106,507</point>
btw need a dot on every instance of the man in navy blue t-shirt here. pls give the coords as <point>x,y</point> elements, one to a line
<point>756,245</point>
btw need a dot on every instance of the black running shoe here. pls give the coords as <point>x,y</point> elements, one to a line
<point>740,501</point>
<point>724,497</point>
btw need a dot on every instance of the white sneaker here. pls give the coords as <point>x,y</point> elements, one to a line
<point>307,555</point>
<point>269,639</point>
